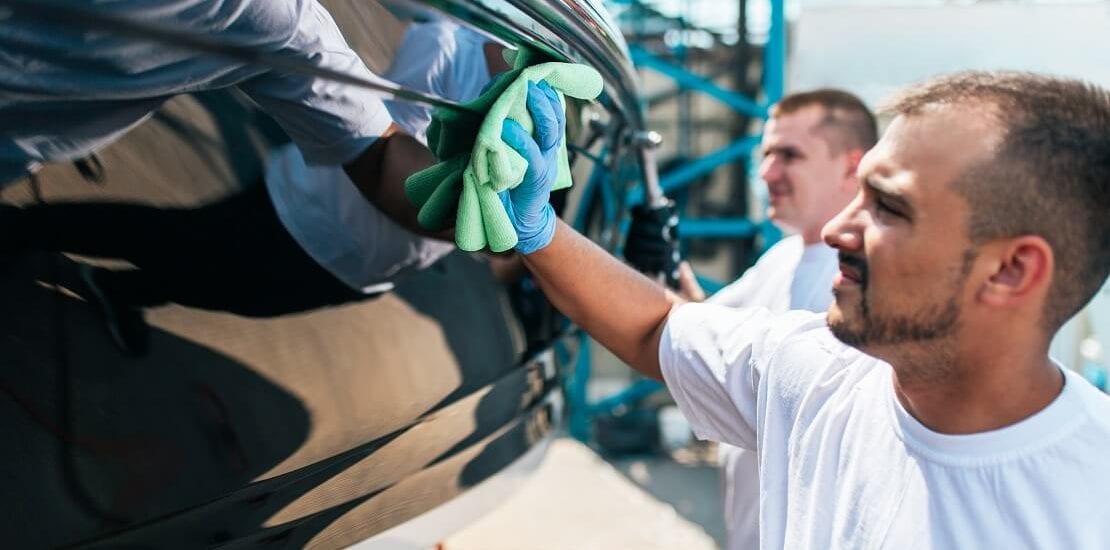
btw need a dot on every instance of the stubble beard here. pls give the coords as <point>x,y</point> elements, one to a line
<point>920,345</point>
<point>930,324</point>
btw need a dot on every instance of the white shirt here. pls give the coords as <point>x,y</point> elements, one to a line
<point>324,211</point>
<point>332,221</point>
<point>440,57</point>
<point>789,275</point>
<point>66,91</point>
<point>843,465</point>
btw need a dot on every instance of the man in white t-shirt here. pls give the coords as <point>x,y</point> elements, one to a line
<point>923,411</point>
<point>812,145</point>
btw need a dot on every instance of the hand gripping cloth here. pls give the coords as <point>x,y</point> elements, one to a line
<point>476,165</point>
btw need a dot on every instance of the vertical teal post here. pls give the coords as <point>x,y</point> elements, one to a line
<point>774,58</point>
<point>578,406</point>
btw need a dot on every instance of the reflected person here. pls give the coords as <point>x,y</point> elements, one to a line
<point>71,90</point>
<point>303,238</point>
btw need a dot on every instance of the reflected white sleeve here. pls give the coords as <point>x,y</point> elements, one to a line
<point>331,122</point>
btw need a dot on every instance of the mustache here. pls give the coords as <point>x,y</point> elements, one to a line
<point>856,263</point>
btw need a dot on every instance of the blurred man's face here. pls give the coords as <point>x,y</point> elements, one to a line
<point>807,182</point>
<point>905,254</point>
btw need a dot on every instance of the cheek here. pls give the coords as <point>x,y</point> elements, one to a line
<point>898,267</point>
<point>804,182</point>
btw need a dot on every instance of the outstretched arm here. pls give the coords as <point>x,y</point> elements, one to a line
<point>622,309</point>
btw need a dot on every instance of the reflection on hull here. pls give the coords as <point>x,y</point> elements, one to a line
<point>317,429</point>
<point>201,445</point>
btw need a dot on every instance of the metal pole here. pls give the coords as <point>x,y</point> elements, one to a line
<point>775,59</point>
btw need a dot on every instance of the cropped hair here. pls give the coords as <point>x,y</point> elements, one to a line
<point>1049,176</point>
<point>847,122</point>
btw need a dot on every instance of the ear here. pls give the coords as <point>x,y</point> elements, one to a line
<point>1021,269</point>
<point>851,168</point>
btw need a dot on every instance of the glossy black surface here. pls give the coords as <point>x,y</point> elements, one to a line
<point>318,429</point>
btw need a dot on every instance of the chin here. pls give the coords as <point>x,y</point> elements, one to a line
<point>842,328</point>
<point>782,221</point>
<point>835,313</point>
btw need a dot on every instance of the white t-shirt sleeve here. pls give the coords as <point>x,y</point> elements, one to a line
<point>331,122</point>
<point>714,360</point>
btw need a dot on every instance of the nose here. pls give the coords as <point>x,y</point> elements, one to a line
<point>845,230</point>
<point>771,169</point>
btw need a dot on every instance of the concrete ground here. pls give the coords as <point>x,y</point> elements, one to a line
<point>578,500</point>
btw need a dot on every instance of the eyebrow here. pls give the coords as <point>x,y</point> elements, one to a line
<point>787,148</point>
<point>887,193</point>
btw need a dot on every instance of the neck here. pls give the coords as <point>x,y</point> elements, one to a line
<point>812,236</point>
<point>978,392</point>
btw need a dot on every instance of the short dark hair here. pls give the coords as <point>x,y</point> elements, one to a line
<point>848,123</point>
<point>1050,174</point>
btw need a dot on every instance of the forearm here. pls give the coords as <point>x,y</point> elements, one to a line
<point>380,174</point>
<point>621,308</point>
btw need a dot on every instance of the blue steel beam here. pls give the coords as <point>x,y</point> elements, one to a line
<point>738,102</point>
<point>628,396</point>
<point>717,228</point>
<point>774,59</point>
<point>665,95</point>
<point>596,187</point>
<point>774,67</point>
<point>683,175</point>
<point>578,407</point>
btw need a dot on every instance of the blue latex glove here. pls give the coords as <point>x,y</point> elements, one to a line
<point>527,204</point>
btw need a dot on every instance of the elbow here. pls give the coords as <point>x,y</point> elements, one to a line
<point>646,361</point>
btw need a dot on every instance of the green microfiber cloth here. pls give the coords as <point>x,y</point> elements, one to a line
<point>475,164</point>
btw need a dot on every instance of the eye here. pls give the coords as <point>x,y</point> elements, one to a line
<point>885,208</point>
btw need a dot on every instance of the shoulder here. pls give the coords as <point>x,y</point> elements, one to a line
<point>733,332</point>
<point>432,36</point>
<point>810,357</point>
<point>789,247</point>
<point>1095,403</point>
<point>789,355</point>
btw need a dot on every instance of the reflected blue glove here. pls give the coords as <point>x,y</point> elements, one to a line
<point>527,204</point>
<point>492,80</point>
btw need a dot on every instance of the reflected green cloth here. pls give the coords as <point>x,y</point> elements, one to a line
<point>475,164</point>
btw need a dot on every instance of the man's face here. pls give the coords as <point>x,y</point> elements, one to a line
<point>807,183</point>
<point>905,255</point>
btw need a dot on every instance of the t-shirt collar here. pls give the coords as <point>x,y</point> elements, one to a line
<point>1043,428</point>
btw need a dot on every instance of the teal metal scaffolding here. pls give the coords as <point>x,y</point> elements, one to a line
<point>605,203</point>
